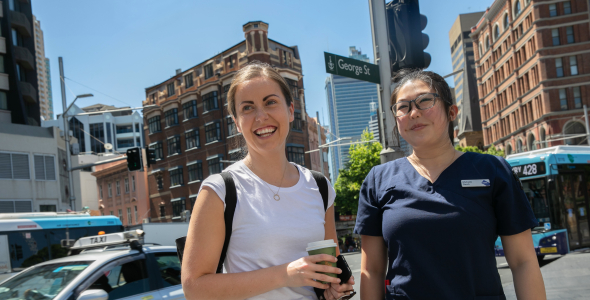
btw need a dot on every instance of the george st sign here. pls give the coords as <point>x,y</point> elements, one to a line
<point>348,67</point>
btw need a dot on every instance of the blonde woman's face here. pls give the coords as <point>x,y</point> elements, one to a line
<point>262,115</point>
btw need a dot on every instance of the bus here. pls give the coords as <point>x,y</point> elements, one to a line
<point>556,181</point>
<point>30,238</point>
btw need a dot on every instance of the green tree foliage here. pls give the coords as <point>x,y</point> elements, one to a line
<point>492,150</point>
<point>362,157</point>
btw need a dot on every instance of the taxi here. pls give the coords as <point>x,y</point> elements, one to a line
<point>109,266</point>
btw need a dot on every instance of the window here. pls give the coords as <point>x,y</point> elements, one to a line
<point>110,188</point>
<point>210,101</point>
<point>517,10</point>
<point>16,206</point>
<point>97,138</point>
<point>577,97</point>
<point>567,8</point>
<point>506,22</point>
<point>3,100</point>
<point>170,87</point>
<point>135,211</point>
<point>160,182</point>
<point>552,10</point>
<point>176,177</point>
<point>573,65</point>
<point>559,67</point>
<point>125,143</point>
<point>231,62</point>
<point>487,43</point>
<point>562,99</point>
<point>159,150</point>
<point>192,139</point>
<point>570,34</point>
<point>173,145</point>
<point>555,36</point>
<point>14,5</point>
<point>44,167</point>
<point>215,166</point>
<point>208,71</point>
<point>121,215</point>
<point>231,127</point>
<point>188,80</point>
<point>293,87</point>
<point>297,122</point>
<point>112,213</point>
<point>295,154</point>
<point>162,211</point>
<point>224,93</point>
<point>21,73</point>
<point>100,191</point>
<point>195,171</point>
<point>123,281</point>
<point>190,109</point>
<point>14,166</point>
<point>171,117</point>
<point>154,124</point>
<point>129,219</point>
<point>126,185</point>
<point>178,206</point>
<point>496,32</point>
<point>124,129</point>
<point>284,57</point>
<point>17,38</point>
<point>118,187</point>
<point>2,70</point>
<point>213,132</point>
<point>518,146</point>
<point>48,208</point>
<point>169,266</point>
<point>133,183</point>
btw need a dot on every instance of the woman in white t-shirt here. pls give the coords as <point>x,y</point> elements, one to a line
<point>279,208</point>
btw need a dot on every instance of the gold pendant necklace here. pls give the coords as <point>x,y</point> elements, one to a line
<point>276,195</point>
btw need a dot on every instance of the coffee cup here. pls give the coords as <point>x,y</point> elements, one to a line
<point>323,247</point>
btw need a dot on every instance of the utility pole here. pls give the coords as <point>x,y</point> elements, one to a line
<point>320,142</point>
<point>389,140</point>
<point>66,134</point>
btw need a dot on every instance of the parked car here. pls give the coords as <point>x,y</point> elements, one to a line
<point>110,266</point>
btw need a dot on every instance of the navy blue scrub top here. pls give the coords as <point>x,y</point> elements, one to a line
<point>440,236</point>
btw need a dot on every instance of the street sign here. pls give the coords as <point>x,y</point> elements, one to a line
<point>353,68</point>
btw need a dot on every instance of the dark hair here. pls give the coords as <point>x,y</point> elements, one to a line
<point>435,82</point>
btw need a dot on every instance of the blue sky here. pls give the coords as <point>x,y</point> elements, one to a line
<point>116,49</point>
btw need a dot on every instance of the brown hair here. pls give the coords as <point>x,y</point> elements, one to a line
<point>435,82</point>
<point>251,71</point>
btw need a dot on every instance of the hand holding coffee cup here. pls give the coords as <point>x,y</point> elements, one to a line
<point>324,247</point>
<point>307,271</point>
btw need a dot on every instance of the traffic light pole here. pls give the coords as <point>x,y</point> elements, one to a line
<point>389,140</point>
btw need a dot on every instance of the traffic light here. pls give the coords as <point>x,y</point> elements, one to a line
<point>151,156</point>
<point>134,159</point>
<point>406,40</point>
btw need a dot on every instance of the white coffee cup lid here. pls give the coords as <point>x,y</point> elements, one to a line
<point>320,244</point>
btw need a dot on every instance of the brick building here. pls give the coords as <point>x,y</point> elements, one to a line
<point>312,129</point>
<point>122,193</point>
<point>533,73</point>
<point>191,130</point>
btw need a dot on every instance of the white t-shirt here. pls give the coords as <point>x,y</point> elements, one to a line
<point>268,233</point>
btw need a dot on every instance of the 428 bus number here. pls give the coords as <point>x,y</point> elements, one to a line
<point>529,169</point>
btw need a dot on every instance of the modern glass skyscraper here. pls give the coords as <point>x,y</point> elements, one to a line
<point>349,108</point>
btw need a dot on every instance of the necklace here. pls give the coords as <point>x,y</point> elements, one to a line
<point>275,195</point>
<point>422,171</point>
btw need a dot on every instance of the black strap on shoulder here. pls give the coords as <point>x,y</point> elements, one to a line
<point>322,183</point>
<point>231,199</point>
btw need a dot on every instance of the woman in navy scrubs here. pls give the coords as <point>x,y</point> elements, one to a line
<point>429,221</point>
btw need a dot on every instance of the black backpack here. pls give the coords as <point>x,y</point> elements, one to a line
<point>231,200</point>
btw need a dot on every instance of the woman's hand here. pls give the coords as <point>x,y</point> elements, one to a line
<point>337,291</point>
<point>303,271</point>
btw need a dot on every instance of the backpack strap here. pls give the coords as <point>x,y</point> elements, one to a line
<point>231,199</point>
<point>322,183</point>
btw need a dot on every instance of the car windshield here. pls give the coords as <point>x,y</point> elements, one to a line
<point>43,282</point>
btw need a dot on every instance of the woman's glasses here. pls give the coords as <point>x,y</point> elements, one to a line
<point>423,102</point>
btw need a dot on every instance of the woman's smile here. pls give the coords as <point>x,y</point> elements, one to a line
<point>265,131</point>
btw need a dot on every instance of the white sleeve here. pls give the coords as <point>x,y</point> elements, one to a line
<point>216,183</point>
<point>331,193</point>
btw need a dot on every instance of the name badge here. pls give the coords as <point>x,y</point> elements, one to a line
<point>475,183</point>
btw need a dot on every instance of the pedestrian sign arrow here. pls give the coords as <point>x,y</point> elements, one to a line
<point>353,68</point>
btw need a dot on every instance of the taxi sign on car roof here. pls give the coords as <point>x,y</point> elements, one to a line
<point>108,239</point>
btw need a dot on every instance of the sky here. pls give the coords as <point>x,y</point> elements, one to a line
<point>115,49</point>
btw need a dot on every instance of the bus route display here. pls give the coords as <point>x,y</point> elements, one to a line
<point>527,170</point>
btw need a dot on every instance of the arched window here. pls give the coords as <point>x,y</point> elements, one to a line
<point>542,139</point>
<point>518,146</point>
<point>487,43</point>
<point>508,149</point>
<point>506,22</point>
<point>480,52</point>
<point>573,129</point>
<point>532,145</point>
<point>517,9</point>
<point>496,33</point>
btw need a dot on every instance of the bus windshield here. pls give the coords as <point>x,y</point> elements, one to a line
<point>536,192</point>
<point>42,283</point>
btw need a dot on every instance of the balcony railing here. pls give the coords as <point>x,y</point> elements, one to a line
<point>28,91</point>
<point>24,57</point>
<point>21,23</point>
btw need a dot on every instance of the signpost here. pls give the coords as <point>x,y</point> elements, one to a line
<point>353,68</point>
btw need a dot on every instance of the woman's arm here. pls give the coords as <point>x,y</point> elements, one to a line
<point>336,290</point>
<point>373,266</point>
<point>204,243</point>
<point>522,260</point>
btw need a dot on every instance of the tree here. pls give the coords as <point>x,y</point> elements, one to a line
<point>362,157</point>
<point>491,150</point>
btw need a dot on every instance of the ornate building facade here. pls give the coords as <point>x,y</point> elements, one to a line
<point>532,63</point>
<point>190,127</point>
